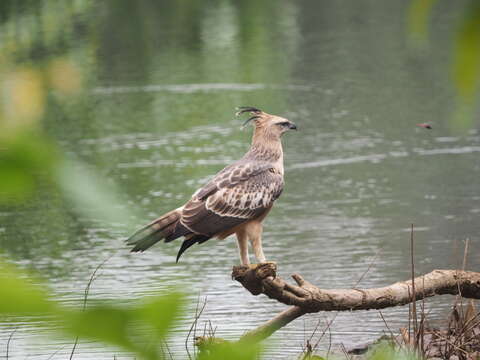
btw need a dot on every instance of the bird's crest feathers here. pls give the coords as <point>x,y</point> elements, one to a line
<point>251,110</point>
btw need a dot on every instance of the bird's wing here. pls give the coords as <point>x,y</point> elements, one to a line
<point>230,176</point>
<point>237,194</point>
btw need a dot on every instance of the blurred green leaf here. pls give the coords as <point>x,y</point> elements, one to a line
<point>19,296</point>
<point>466,66</point>
<point>160,312</point>
<point>312,357</point>
<point>105,323</point>
<point>221,350</point>
<point>25,159</point>
<point>138,329</point>
<point>418,16</point>
<point>90,194</point>
<point>387,351</point>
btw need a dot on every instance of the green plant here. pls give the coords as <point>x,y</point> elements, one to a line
<point>465,71</point>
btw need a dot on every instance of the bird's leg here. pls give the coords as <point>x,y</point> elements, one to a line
<point>255,235</point>
<point>242,241</point>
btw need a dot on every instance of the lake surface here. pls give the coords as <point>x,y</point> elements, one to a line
<point>156,119</point>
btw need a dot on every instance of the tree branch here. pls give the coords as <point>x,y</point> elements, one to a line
<point>307,298</point>
<point>264,331</point>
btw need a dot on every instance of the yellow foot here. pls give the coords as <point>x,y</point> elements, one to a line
<point>265,269</point>
<point>270,262</point>
<point>266,264</point>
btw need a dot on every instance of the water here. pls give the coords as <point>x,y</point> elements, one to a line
<point>156,119</point>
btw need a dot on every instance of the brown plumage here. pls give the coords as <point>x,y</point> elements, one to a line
<point>236,200</point>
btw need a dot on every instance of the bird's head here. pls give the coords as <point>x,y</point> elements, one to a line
<point>271,125</point>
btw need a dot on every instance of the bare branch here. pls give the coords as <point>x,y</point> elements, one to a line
<point>307,298</point>
<point>279,321</point>
<point>263,280</point>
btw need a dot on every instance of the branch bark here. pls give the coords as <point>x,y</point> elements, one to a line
<point>307,298</point>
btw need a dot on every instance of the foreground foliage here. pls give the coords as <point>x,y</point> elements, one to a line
<point>140,329</point>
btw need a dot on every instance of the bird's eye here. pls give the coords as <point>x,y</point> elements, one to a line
<point>285,123</point>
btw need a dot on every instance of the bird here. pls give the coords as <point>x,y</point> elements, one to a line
<point>235,201</point>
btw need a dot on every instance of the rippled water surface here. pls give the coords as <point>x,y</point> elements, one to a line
<point>157,120</point>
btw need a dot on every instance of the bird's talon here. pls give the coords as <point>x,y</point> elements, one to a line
<point>265,269</point>
<point>273,263</point>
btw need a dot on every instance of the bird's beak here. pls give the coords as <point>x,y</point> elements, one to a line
<point>292,126</point>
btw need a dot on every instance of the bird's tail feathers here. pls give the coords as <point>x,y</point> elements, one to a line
<point>157,230</point>
<point>189,241</point>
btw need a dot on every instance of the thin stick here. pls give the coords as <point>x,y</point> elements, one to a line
<point>193,328</point>
<point>85,296</point>
<point>414,295</point>
<point>329,340</point>
<point>345,352</point>
<point>10,339</point>
<point>315,330</point>
<point>452,344</point>
<point>304,337</point>
<point>409,316</point>
<point>465,254</point>
<point>388,328</point>
<point>458,298</point>
<point>204,329</point>
<point>168,349</point>
<point>468,324</point>
<point>329,324</point>
<point>422,321</point>
<point>56,352</point>
<point>368,268</point>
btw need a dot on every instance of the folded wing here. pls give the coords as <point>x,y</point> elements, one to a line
<point>239,193</point>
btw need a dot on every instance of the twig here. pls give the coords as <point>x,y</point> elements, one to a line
<point>422,321</point>
<point>465,254</point>
<point>409,317</point>
<point>388,328</point>
<point>85,296</point>
<point>329,339</point>
<point>329,324</point>
<point>10,339</point>
<point>458,298</point>
<point>315,330</point>
<point>303,344</point>
<point>345,352</point>
<point>193,328</point>
<point>56,352</point>
<point>368,268</point>
<point>168,349</point>
<point>414,294</point>
<point>452,344</point>
<point>468,324</point>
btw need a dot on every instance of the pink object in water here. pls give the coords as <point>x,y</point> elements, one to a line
<point>425,125</point>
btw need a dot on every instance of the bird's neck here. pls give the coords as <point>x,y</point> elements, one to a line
<point>266,147</point>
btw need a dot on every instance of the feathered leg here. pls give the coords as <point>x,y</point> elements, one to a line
<point>242,241</point>
<point>254,233</point>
